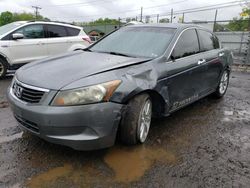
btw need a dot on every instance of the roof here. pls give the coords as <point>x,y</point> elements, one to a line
<point>49,22</point>
<point>168,25</point>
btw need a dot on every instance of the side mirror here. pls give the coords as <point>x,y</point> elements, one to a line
<point>17,36</point>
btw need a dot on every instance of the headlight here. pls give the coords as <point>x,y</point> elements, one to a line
<point>86,95</point>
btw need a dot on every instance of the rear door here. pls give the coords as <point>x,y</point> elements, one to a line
<point>211,52</point>
<point>184,79</point>
<point>31,47</point>
<point>58,40</point>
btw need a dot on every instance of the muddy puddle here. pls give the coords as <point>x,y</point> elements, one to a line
<point>238,115</point>
<point>131,164</point>
<point>120,165</point>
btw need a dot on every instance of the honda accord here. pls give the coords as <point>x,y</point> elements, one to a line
<point>85,99</point>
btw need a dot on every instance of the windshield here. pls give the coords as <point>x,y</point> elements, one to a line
<point>6,28</point>
<point>136,41</point>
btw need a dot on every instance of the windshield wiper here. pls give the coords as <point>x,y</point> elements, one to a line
<point>87,50</point>
<point>112,53</point>
<point>121,54</point>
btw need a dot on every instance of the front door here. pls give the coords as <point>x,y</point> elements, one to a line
<point>32,47</point>
<point>185,71</point>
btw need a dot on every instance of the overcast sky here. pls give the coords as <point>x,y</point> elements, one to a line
<point>88,10</point>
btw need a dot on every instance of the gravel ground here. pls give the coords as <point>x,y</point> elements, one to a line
<point>206,144</point>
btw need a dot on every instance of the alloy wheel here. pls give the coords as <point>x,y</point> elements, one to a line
<point>145,120</point>
<point>223,83</point>
<point>1,69</point>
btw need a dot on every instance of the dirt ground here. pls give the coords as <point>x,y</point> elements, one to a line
<point>206,144</point>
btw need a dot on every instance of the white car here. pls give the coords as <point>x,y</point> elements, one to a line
<point>26,41</point>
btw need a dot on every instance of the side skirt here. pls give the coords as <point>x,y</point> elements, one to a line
<point>200,97</point>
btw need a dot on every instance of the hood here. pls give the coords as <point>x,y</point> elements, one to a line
<point>57,72</point>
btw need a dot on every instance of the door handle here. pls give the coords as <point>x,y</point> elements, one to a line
<point>201,61</point>
<point>221,54</point>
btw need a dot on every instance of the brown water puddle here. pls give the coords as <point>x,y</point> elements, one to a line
<point>65,176</point>
<point>130,165</point>
<point>50,176</point>
<point>127,163</point>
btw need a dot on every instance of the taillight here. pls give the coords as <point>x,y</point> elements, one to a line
<point>87,39</point>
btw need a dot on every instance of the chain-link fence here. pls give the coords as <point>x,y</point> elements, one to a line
<point>233,34</point>
<point>238,41</point>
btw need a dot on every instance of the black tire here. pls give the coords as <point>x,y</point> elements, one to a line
<point>131,121</point>
<point>3,68</point>
<point>219,93</point>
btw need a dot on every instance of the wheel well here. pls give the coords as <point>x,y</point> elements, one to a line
<point>4,59</point>
<point>157,101</point>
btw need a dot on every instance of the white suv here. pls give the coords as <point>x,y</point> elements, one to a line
<point>23,42</point>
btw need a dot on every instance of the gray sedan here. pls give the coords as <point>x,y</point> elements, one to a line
<point>86,99</point>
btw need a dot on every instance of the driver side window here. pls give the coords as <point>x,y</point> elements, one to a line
<point>32,31</point>
<point>187,44</point>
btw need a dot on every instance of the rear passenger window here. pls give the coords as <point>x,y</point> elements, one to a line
<point>73,31</point>
<point>187,44</point>
<point>208,41</point>
<point>56,31</point>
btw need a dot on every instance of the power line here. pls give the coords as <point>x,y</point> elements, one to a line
<point>200,9</point>
<point>197,9</point>
<point>82,3</point>
<point>211,7</point>
<point>132,10</point>
<point>87,3</point>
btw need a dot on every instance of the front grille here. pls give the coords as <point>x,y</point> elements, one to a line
<point>28,124</point>
<point>27,94</point>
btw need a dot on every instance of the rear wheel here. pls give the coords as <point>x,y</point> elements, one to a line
<point>135,124</point>
<point>3,68</point>
<point>223,85</point>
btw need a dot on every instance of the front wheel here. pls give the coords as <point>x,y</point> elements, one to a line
<point>135,124</point>
<point>3,68</point>
<point>223,85</point>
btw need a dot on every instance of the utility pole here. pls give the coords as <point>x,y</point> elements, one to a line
<point>157,18</point>
<point>215,19</point>
<point>172,12</point>
<point>119,19</point>
<point>141,13</point>
<point>36,10</point>
<point>248,53</point>
<point>183,17</point>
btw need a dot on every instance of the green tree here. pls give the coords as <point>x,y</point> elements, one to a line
<point>104,21</point>
<point>6,17</point>
<point>164,20</point>
<point>242,23</point>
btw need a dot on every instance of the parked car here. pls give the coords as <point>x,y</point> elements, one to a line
<point>26,41</point>
<point>85,99</point>
<point>94,38</point>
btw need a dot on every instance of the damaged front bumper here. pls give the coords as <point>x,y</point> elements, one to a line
<point>84,127</point>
